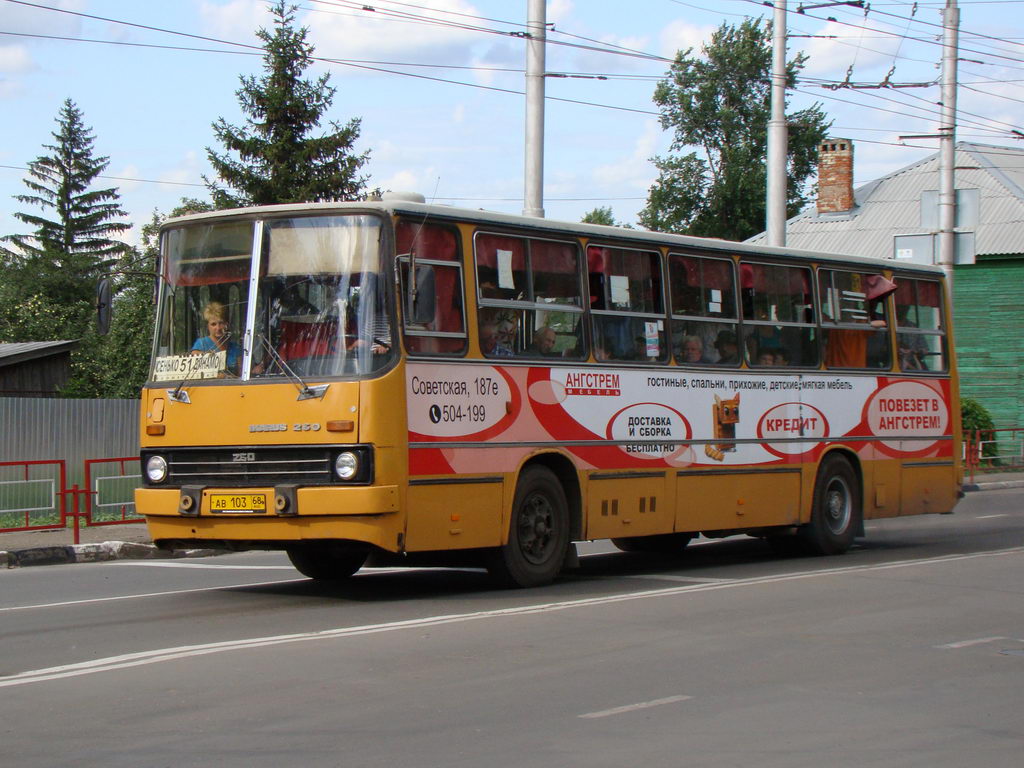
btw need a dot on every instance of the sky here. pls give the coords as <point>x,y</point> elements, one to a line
<point>438,86</point>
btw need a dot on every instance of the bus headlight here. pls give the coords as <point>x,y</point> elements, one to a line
<point>346,465</point>
<point>156,469</point>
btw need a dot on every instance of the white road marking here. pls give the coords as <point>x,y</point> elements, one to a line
<point>969,643</point>
<point>634,707</point>
<point>682,579</point>
<point>203,566</point>
<point>989,517</point>
<point>87,601</point>
<point>158,655</point>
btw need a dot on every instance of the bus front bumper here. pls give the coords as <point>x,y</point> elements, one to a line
<point>363,514</point>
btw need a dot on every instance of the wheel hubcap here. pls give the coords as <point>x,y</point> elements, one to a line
<point>838,506</point>
<point>536,529</point>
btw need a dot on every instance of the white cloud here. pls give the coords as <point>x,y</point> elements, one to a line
<point>380,36</point>
<point>29,20</point>
<point>10,89</point>
<point>634,171</point>
<point>402,181</point>
<point>188,170</point>
<point>123,173</point>
<point>236,20</point>
<point>681,35</point>
<point>837,46</point>
<point>559,10</point>
<point>15,58</point>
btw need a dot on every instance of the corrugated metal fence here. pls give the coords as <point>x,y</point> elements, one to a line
<point>35,433</point>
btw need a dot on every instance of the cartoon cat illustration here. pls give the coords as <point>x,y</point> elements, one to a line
<point>726,415</point>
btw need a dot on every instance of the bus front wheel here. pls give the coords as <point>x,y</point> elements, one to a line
<point>326,562</point>
<point>836,515</point>
<point>538,537</point>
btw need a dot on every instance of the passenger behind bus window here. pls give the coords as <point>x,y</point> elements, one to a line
<point>543,343</point>
<point>691,350</point>
<point>219,336</point>
<point>728,348</point>
<point>489,341</point>
<point>913,348</point>
<point>763,338</point>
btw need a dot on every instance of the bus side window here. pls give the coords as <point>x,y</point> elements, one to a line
<point>778,315</point>
<point>920,326</point>
<point>704,327</point>
<point>628,316</point>
<point>441,331</point>
<point>530,297</point>
<point>854,319</point>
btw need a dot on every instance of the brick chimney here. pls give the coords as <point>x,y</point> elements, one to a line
<point>835,176</point>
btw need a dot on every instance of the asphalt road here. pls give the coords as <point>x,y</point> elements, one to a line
<point>906,651</point>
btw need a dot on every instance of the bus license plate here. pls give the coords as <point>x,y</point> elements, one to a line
<point>238,502</point>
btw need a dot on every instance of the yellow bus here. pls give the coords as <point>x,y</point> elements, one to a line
<point>431,384</point>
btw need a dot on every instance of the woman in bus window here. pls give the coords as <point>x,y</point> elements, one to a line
<point>219,336</point>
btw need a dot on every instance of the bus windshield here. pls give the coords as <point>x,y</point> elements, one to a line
<point>313,301</point>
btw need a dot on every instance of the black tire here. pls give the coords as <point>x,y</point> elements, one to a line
<point>836,515</point>
<point>326,562</point>
<point>538,538</point>
<point>662,544</point>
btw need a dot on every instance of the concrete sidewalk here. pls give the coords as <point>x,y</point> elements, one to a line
<point>131,541</point>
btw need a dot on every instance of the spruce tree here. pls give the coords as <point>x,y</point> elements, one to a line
<point>274,158</point>
<point>73,241</point>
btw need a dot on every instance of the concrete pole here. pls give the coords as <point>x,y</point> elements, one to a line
<point>533,198</point>
<point>775,208</point>
<point>947,141</point>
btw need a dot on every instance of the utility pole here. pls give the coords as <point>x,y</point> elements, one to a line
<point>536,28</point>
<point>775,203</point>
<point>947,140</point>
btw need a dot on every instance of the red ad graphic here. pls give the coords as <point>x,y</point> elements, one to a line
<point>907,409</point>
<point>791,420</point>
<point>598,383</point>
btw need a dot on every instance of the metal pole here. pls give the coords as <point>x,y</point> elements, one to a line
<point>533,199</point>
<point>775,204</point>
<point>947,141</point>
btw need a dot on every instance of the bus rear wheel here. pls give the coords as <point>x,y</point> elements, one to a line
<point>326,562</point>
<point>836,514</point>
<point>538,537</point>
<point>662,544</point>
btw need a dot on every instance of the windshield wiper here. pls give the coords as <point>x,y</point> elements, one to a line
<point>306,392</point>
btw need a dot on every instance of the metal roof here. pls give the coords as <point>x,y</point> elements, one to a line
<point>891,206</point>
<point>30,350</point>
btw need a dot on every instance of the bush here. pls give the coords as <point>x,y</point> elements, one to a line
<point>975,416</point>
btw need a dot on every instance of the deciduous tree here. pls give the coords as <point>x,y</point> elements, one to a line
<point>717,106</point>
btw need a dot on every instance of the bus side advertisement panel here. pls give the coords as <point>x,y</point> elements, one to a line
<point>628,418</point>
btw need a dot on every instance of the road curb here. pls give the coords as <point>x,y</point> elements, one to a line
<point>993,485</point>
<point>95,553</point>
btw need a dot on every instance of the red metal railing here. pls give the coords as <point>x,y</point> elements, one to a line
<point>994,450</point>
<point>21,515</point>
<point>98,506</point>
<point>102,501</point>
